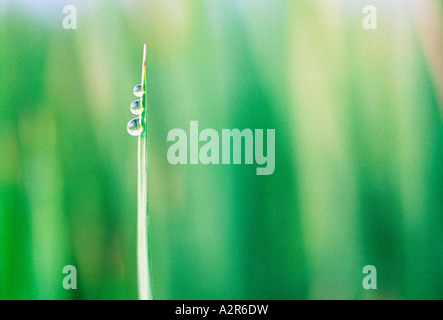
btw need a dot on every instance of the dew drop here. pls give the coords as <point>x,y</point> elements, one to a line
<point>137,107</point>
<point>135,127</point>
<point>138,90</point>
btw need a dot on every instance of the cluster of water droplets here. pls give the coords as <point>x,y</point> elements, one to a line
<point>135,127</point>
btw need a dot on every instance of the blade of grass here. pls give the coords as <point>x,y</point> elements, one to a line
<point>145,286</point>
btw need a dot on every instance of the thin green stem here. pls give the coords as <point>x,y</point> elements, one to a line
<point>145,286</point>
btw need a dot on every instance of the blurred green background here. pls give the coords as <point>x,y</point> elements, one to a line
<point>359,148</point>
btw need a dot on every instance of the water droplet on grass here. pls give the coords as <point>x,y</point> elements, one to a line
<point>138,90</point>
<point>135,127</point>
<point>137,107</point>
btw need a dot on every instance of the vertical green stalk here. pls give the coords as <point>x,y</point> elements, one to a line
<point>145,286</point>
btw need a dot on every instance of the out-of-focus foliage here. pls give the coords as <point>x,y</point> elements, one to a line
<point>359,149</point>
